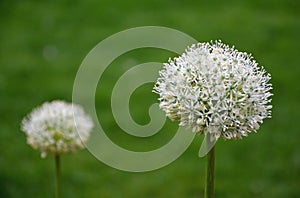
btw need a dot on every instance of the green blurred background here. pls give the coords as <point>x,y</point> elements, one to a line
<point>42,44</point>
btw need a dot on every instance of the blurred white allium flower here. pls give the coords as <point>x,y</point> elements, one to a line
<point>212,88</point>
<point>51,128</point>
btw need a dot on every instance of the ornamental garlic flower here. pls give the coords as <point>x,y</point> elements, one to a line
<point>214,89</point>
<point>51,128</point>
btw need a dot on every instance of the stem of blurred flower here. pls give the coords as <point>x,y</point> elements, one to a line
<point>210,168</point>
<point>57,176</point>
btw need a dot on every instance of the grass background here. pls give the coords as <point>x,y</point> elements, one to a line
<point>42,44</point>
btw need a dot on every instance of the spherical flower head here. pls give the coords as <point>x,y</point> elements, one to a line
<point>212,88</point>
<point>51,128</point>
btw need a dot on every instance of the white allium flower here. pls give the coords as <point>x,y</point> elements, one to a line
<point>51,128</point>
<point>212,88</point>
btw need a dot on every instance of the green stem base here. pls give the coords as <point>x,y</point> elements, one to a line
<point>57,176</point>
<point>210,168</point>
